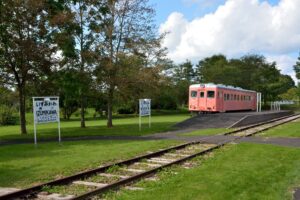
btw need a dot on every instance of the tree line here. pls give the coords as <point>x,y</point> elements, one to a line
<point>106,54</point>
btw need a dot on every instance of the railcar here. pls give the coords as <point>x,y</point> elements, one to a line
<point>220,98</point>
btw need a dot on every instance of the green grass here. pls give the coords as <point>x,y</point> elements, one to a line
<point>122,127</point>
<point>243,171</point>
<point>209,131</point>
<point>25,165</point>
<point>291,129</point>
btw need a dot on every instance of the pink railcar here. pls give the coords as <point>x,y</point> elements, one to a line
<point>220,98</point>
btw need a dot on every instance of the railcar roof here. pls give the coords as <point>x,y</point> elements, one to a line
<point>212,85</point>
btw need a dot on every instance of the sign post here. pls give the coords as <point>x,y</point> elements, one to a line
<point>258,102</point>
<point>144,110</point>
<point>45,110</point>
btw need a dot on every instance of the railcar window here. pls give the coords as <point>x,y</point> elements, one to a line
<point>210,94</point>
<point>228,98</point>
<point>238,97</point>
<point>220,95</point>
<point>194,94</point>
<point>201,94</point>
<point>235,97</point>
<point>231,97</point>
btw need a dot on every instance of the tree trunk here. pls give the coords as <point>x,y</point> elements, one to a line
<point>109,108</point>
<point>82,121</point>
<point>22,110</point>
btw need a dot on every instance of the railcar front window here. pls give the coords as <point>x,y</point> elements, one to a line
<point>194,94</point>
<point>210,94</point>
<point>201,94</point>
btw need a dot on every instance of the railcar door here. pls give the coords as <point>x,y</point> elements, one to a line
<point>220,101</point>
<point>193,100</point>
<point>210,100</point>
<point>202,100</point>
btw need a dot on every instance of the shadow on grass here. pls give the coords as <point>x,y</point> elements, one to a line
<point>117,130</point>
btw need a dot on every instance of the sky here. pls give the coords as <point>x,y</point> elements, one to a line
<point>200,28</point>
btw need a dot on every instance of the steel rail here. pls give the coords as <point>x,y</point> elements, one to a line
<point>29,192</point>
<point>142,175</point>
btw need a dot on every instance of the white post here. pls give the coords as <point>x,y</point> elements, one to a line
<point>150,115</point>
<point>34,122</point>
<point>140,117</point>
<point>140,123</point>
<point>34,128</point>
<point>259,102</point>
<point>271,108</point>
<point>58,115</point>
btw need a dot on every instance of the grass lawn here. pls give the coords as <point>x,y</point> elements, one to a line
<point>122,127</point>
<point>25,165</point>
<point>291,129</point>
<point>209,131</point>
<point>242,171</point>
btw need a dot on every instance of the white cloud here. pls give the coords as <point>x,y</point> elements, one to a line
<point>285,63</point>
<point>235,28</point>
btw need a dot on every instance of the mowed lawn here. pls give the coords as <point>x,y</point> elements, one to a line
<point>291,129</point>
<point>24,165</point>
<point>122,127</point>
<point>241,171</point>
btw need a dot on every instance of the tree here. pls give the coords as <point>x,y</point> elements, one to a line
<point>291,94</point>
<point>88,20</point>
<point>26,48</point>
<point>297,67</point>
<point>184,75</point>
<point>251,72</point>
<point>128,30</point>
<point>212,69</point>
<point>297,71</point>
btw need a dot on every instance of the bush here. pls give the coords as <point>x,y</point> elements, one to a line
<point>7,115</point>
<point>125,111</point>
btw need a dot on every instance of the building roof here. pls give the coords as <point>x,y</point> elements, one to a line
<point>212,85</point>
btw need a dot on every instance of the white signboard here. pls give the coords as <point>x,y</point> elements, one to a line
<point>145,110</point>
<point>145,107</point>
<point>46,110</point>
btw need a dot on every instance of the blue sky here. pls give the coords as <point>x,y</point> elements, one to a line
<point>191,10</point>
<point>200,28</point>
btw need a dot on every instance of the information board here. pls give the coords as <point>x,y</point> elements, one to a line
<point>145,110</point>
<point>45,110</point>
<point>145,107</point>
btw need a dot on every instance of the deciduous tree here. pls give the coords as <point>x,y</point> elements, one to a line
<point>26,48</point>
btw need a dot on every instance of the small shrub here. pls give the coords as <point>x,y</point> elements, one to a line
<point>7,115</point>
<point>125,111</point>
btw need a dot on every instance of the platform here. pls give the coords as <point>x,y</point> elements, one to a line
<point>229,120</point>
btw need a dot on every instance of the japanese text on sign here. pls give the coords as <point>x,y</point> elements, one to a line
<point>46,111</point>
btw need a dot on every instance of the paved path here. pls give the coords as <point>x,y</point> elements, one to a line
<point>297,194</point>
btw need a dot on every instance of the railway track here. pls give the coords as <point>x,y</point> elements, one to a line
<point>111,177</point>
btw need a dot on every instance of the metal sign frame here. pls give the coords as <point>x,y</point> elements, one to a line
<point>55,107</point>
<point>144,110</point>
